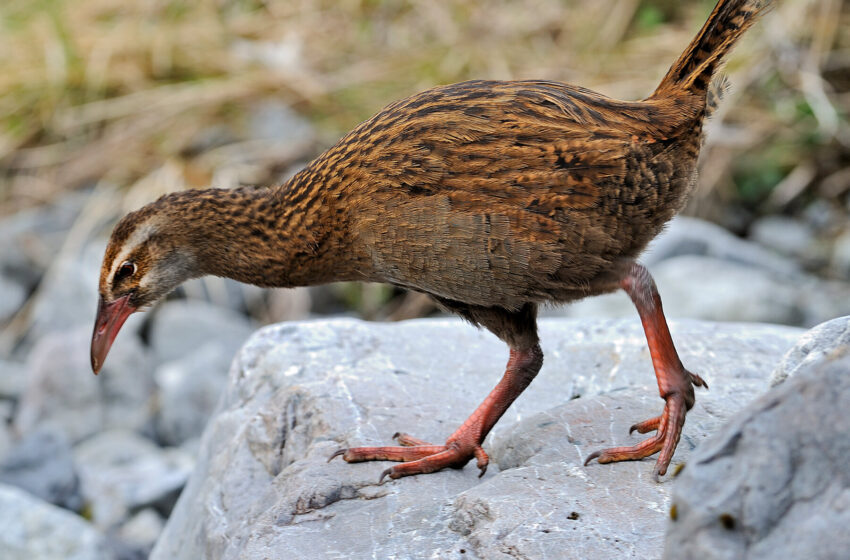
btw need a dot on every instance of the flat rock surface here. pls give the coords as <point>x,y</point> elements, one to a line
<point>297,392</point>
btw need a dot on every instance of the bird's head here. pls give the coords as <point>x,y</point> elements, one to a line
<point>144,261</point>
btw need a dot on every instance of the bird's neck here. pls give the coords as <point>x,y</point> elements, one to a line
<point>258,236</point>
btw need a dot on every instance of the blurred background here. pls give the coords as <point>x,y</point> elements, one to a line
<point>107,104</point>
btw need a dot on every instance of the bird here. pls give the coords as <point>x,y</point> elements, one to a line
<point>492,197</point>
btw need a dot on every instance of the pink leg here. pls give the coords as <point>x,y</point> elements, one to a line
<point>419,457</point>
<point>675,383</point>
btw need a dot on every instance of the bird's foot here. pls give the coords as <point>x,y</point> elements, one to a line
<point>668,428</point>
<point>418,456</point>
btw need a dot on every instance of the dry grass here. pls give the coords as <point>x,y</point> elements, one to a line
<point>105,89</point>
<point>117,94</point>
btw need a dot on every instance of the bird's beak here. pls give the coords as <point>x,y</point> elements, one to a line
<point>110,318</point>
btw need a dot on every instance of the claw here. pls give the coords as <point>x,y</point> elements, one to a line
<point>645,426</point>
<point>591,457</point>
<point>337,453</point>
<point>386,473</point>
<point>482,460</point>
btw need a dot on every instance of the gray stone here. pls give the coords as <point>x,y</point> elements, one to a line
<point>223,292</point>
<point>189,390</point>
<point>13,297</point>
<point>122,472</point>
<point>6,440</point>
<point>42,464</point>
<point>63,392</point>
<point>181,326</point>
<point>36,530</point>
<point>773,483</point>
<point>30,239</point>
<point>138,535</point>
<point>813,346</point>
<point>274,120</point>
<point>12,379</point>
<point>841,254</point>
<point>692,236</point>
<point>787,236</point>
<point>707,288</point>
<point>297,392</point>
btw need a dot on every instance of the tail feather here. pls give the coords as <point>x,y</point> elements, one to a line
<point>728,21</point>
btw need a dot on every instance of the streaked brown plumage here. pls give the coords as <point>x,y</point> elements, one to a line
<point>492,197</point>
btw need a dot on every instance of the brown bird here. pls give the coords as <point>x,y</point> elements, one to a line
<point>492,197</point>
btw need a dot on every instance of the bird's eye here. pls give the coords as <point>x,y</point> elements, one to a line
<point>126,270</point>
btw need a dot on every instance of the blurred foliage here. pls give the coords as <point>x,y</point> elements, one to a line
<point>147,96</point>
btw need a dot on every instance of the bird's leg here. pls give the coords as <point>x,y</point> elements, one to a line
<point>675,383</point>
<point>465,444</point>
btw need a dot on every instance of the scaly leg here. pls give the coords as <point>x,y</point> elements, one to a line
<point>675,383</point>
<point>421,457</point>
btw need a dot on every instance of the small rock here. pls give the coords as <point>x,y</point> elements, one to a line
<point>6,441</point>
<point>788,237</point>
<point>274,120</point>
<point>181,326</point>
<point>14,296</point>
<point>707,288</point>
<point>63,392</point>
<point>841,255</point>
<point>30,240</point>
<point>42,464</point>
<point>774,481</point>
<point>823,216</point>
<point>68,295</point>
<point>813,346</point>
<point>36,530</point>
<point>223,292</point>
<point>189,389</point>
<point>12,379</point>
<point>138,535</point>
<point>122,472</point>
<point>692,236</point>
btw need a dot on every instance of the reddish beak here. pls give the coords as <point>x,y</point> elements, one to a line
<point>110,318</point>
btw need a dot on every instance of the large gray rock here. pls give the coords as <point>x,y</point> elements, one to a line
<point>42,464</point>
<point>62,392</point>
<point>122,472</point>
<point>774,482</point>
<point>36,530</point>
<point>298,392</point>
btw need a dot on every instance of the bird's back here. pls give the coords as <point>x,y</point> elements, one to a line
<point>499,193</point>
